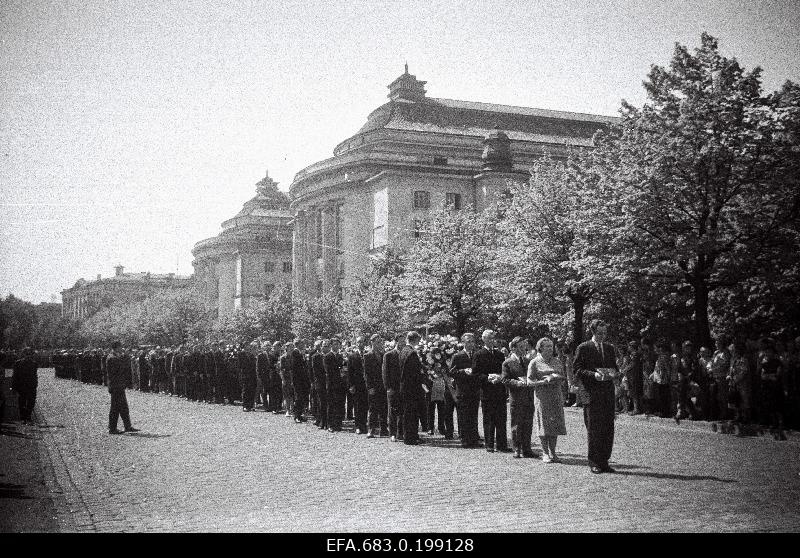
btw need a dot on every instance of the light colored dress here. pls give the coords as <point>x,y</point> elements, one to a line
<point>548,399</point>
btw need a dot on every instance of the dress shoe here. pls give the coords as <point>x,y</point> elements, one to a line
<point>370,435</point>
<point>556,459</point>
<point>517,455</point>
<point>115,431</point>
<point>504,450</point>
<point>132,429</point>
<point>546,458</point>
<point>331,430</point>
<point>596,470</point>
<point>490,450</point>
<point>358,431</point>
<point>393,438</point>
<point>530,455</point>
<point>298,421</point>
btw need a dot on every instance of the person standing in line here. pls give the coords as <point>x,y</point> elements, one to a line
<point>262,372</point>
<point>467,388</point>
<point>489,367</point>
<point>356,386</point>
<point>441,398</point>
<point>740,382</point>
<point>773,388</point>
<point>662,379</point>
<point>118,368</point>
<point>411,391</point>
<point>376,393</point>
<point>336,386</point>
<point>544,375</point>
<point>286,378</point>
<point>390,371</point>
<point>25,381</point>
<point>595,365</point>
<point>300,381</point>
<point>247,377</point>
<point>687,372</point>
<point>318,366</point>
<point>514,377</point>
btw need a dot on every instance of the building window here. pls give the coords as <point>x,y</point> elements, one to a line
<point>269,267</point>
<point>268,288</point>
<point>422,199</point>
<point>453,201</point>
<point>287,267</point>
<point>440,160</point>
<point>419,228</point>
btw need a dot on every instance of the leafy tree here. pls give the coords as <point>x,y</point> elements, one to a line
<point>704,177</point>
<point>322,316</point>
<point>268,319</point>
<point>448,270</point>
<point>374,304</point>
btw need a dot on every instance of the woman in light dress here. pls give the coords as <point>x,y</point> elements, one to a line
<point>545,373</point>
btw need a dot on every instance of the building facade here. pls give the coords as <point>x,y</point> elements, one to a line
<point>415,154</point>
<point>252,255</point>
<point>87,297</point>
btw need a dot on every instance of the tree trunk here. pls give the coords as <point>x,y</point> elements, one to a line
<point>702,327</point>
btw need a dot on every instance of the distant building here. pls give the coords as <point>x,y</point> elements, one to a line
<point>252,255</point>
<point>87,297</point>
<point>415,154</point>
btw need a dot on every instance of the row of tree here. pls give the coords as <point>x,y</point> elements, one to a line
<point>682,221</point>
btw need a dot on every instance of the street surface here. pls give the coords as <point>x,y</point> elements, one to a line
<point>203,467</point>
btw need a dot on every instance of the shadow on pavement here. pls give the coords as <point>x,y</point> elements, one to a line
<point>147,435</point>
<point>16,491</point>
<point>16,434</point>
<point>671,476</point>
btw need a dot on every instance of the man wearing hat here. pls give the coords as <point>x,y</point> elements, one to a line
<point>118,368</point>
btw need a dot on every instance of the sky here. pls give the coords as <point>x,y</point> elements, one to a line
<point>129,130</point>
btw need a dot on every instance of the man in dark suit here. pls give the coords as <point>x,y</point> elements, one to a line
<point>376,393</point>
<point>488,366</point>
<point>357,387</point>
<point>248,378</point>
<point>467,392</point>
<point>336,385</point>
<point>390,371</point>
<point>515,372</point>
<point>595,365</point>
<point>118,369</point>
<point>25,381</point>
<point>300,382</point>
<point>411,391</point>
<point>318,367</point>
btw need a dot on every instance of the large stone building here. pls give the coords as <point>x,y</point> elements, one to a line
<point>251,256</point>
<point>87,297</point>
<point>415,154</point>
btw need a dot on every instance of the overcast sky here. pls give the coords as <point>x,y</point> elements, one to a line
<point>129,130</point>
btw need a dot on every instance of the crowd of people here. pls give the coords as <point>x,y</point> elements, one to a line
<point>412,384</point>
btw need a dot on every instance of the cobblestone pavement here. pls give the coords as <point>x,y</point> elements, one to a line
<point>202,467</point>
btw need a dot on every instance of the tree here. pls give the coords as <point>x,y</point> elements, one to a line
<point>704,177</point>
<point>268,319</point>
<point>373,304</point>
<point>448,269</point>
<point>320,316</point>
<point>549,263</point>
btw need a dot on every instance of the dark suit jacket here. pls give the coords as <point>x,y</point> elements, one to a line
<point>355,371</point>
<point>411,376</point>
<point>467,386</point>
<point>300,379</point>
<point>333,363</point>
<point>372,372</point>
<point>588,360</point>
<point>390,370</point>
<point>118,369</point>
<point>513,377</point>
<point>487,362</point>
<point>318,368</point>
<point>25,376</point>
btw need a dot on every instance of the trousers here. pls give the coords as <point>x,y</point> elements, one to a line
<point>119,408</point>
<point>394,414</point>
<point>495,415</point>
<point>521,427</point>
